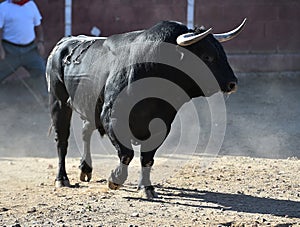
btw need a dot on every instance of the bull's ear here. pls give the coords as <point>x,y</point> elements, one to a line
<point>190,38</point>
<point>223,37</point>
<point>200,29</point>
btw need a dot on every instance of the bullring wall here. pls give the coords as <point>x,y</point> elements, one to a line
<point>269,43</point>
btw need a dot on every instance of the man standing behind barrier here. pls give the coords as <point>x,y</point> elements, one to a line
<point>22,43</point>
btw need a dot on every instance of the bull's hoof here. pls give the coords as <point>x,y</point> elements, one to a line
<point>62,183</point>
<point>113,186</point>
<point>148,192</point>
<point>85,177</point>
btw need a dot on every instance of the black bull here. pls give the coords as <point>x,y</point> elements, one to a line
<point>120,84</point>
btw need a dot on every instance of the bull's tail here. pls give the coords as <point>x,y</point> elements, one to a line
<point>98,111</point>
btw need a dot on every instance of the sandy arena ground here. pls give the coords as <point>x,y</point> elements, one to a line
<point>254,180</point>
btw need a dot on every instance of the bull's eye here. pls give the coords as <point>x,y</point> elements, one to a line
<point>208,59</point>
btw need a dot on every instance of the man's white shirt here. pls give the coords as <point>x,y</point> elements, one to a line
<point>18,22</point>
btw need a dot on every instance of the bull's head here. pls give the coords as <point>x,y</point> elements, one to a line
<point>207,46</point>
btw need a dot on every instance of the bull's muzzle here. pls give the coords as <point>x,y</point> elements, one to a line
<point>231,87</point>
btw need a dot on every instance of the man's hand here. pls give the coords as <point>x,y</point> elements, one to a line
<point>40,39</point>
<point>41,48</point>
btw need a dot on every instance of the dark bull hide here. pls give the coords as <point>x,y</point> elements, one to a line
<point>122,84</point>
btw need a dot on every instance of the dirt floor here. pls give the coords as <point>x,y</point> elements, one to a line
<point>232,191</point>
<point>252,181</point>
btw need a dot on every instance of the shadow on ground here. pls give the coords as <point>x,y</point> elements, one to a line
<point>225,201</point>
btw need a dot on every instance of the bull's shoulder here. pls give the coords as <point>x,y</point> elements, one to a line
<point>120,40</point>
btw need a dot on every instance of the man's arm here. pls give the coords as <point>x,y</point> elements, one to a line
<point>2,51</point>
<point>39,33</point>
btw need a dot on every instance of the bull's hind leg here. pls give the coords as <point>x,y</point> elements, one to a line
<point>120,174</point>
<point>61,115</point>
<point>86,161</point>
<point>147,161</point>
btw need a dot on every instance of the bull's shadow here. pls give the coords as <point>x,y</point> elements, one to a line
<point>226,201</point>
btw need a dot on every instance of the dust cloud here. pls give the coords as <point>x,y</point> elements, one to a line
<point>262,121</point>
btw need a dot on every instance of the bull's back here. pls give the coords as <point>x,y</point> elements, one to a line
<point>75,73</point>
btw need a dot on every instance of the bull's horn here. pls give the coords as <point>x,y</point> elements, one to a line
<point>190,38</point>
<point>223,37</point>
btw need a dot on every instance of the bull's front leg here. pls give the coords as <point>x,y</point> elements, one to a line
<point>120,173</point>
<point>147,161</point>
<point>86,161</point>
